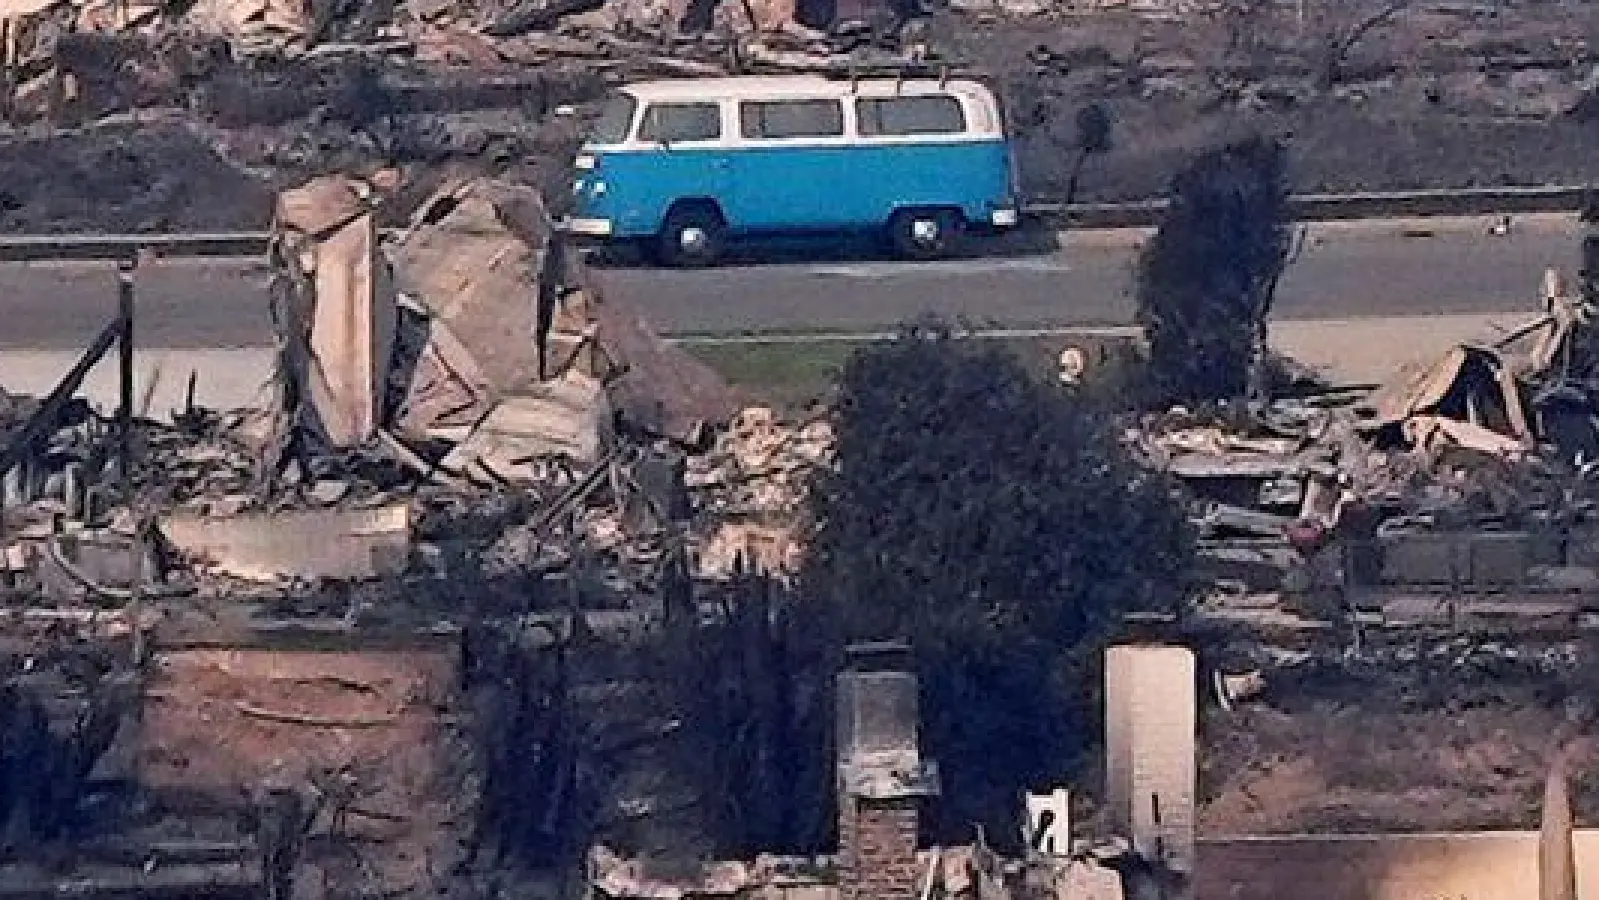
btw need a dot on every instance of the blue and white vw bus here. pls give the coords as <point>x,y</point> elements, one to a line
<point>683,166</point>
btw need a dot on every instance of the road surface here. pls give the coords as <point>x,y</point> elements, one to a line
<point>1347,351</point>
<point>1358,272</point>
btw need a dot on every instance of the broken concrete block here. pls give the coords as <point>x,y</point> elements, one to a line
<point>329,491</point>
<point>484,260</point>
<point>266,23</point>
<point>342,544</point>
<point>1431,432</point>
<point>475,256</point>
<point>569,418</point>
<point>229,505</point>
<point>1085,880</point>
<point>336,312</point>
<point>444,387</point>
<point>13,559</point>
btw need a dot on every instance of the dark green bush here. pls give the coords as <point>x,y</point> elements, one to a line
<point>1207,278</point>
<point>995,521</point>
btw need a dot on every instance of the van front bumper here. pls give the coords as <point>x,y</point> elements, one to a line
<point>588,227</point>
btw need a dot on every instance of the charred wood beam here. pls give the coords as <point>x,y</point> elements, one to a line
<point>217,881</point>
<point>309,635</point>
<point>125,852</point>
<point>43,421</point>
<point>576,494</point>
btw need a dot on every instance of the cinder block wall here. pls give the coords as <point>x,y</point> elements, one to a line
<point>1151,721</point>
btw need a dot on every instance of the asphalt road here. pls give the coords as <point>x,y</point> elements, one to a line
<point>1355,272</point>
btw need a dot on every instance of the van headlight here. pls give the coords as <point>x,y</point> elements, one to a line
<point>585,162</point>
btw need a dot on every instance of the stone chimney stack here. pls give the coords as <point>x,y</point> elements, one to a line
<point>882,778</point>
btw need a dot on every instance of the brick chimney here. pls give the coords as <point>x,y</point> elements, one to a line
<point>882,778</point>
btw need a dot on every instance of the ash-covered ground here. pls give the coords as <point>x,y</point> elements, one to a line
<point>157,129</point>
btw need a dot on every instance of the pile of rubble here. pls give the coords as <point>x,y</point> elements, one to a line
<point>459,398</point>
<point>750,491</point>
<point>1495,438</point>
<point>58,50</point>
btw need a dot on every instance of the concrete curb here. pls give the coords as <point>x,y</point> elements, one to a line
<point>1407,227</point>
<point>1349,350</point>
<point>1364,205</point>
<point>1138,215</point>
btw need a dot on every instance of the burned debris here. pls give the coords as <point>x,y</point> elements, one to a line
<point>885,788</point>
<point>254,63</point>
<point>464,445</point>
<point>1464,479</point>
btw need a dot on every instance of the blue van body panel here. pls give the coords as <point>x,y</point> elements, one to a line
<point>795,188</point>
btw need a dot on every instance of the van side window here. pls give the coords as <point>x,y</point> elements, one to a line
<point>910,115</point>
<point>791,118</point>
<point>675,122</point>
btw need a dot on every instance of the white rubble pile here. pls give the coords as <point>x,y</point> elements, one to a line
<point>750,491</point>
<point>761,466</point>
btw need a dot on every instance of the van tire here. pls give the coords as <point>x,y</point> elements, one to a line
<point>924,234</point>
<point>694,235</point>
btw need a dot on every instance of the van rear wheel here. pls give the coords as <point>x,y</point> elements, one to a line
<point>693,235</point>
<point>926,233</point>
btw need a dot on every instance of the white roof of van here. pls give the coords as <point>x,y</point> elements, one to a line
<point>816,86</point>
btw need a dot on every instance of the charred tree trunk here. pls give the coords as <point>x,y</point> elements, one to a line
<point>739,693</point>
<point>1076,175</point>
<point>526,748</point>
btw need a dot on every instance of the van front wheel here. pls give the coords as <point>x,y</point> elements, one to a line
<point>925,233</point>
<point>692,236</point>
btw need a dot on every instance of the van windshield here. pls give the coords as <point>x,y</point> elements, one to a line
<point>615,117</point>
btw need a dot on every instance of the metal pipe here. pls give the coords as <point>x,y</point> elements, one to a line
<point>125,374</point>
<point>125,269</point>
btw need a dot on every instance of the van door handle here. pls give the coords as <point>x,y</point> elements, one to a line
<point>720,164</point>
